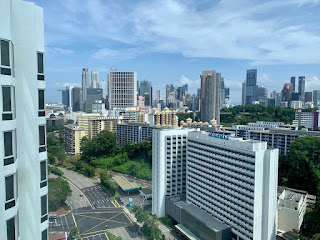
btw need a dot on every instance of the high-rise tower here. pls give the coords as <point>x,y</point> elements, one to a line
<point>85,84</point>
<point>302,87</point>
<point>251,86</point>
<point>122,87</point>
<point>210,96</point>
<point>23,196</point>
<point>94,79</point>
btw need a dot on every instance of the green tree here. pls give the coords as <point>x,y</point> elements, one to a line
<point>59,190</point>
<point>106,182</point>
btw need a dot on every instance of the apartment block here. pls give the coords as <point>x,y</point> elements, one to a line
<point>235,181</point>
<point>168,166</point>
<point>23,151</point>
<point>99,124</point>
<point>133,132</point>
<point>164,118</point>
<point>72,139</point>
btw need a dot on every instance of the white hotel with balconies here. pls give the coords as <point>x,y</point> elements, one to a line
<point>23,155</point>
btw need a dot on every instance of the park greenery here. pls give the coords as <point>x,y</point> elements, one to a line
<point>149,229</point>
<point>59,190</point>
<point>300,169</point>
<point>195,116</point>
<point>55,170</point>
<point>103,152</point>
<point>107,183</point>
<point>252,113</point>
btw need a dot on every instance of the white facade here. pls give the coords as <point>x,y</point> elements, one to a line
<point>122,87</point>
<point>23,175</point>
<point>168,166</point>
<point>235,181</point>
<point>296,104</point>
<point>103,86</point>
<point>292,207</point>
<point>308,119</point>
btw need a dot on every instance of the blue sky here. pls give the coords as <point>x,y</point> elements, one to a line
<point>173,41</point>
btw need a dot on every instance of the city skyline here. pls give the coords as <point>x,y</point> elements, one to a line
<point>162,55</point>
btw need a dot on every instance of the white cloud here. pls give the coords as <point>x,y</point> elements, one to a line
<point>312,83</point>
<point>193,85</point>
<point>264,32</point>
<point>58,51</point>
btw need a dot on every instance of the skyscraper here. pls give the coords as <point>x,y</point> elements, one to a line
<point>308,97</point>
<point>210,96</point>
<point>169,89</point>
<point>243,102</point>
<point>23,154</point>
<point>316,97</point>
<point>263,95</point>
<point>94,79</point>
<point>122,87</point>
<point>251,86</point>
<point>85,85</point>
<point>103,86</point>
<point>301,87</point>
<point>145,90</point>
<point>286,93</point>
<point>76,99</point>
<point>293,82</point>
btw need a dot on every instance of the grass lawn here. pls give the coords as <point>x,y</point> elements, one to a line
<point>111,236</point>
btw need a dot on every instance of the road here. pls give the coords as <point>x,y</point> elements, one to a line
<point>93,211</point>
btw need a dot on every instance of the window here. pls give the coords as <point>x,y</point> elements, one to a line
<point>41,111</point>
<point>42,138</point>
<point>44,208</point>
<point>43,171</point>
<point>44,235</point>
<point>10,192</point>
<point>8,103</point>
<point>11,229</point>
<point>5,57</point>
<point>40,66</point>
<point>8,148</point>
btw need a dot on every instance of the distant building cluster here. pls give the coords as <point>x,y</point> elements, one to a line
<point>292,95</point>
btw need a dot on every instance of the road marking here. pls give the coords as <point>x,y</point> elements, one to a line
<point>66,221</point>
<point>128,217</point>
<point>103,222</point>
<point>75,223</point>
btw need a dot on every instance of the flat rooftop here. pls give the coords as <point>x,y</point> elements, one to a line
<point>125,184</point>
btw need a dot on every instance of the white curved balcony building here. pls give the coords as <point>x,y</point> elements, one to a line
<point>23,155</point>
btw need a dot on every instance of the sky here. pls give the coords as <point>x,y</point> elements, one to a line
<point>173,41</point>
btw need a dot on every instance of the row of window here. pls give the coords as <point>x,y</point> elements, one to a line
<point>8,103</point>
<point>12,230</point>
<point>10,146</point>
<point>11,191</point>
<point>7,59</point>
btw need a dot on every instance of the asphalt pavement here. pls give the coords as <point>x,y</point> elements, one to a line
<point>102,236</point>
<point>98,197</point>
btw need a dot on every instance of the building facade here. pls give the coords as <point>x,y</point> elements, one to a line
<point>122,89</point>
<point>235,181</point>
<point>145,90</point>
<point>310,120</point>
<point>23,154</point>
<point>316,98</point>
<point>251,86</point>
<point>302,87</point>
<point>72,139</point>
<point>94,95</point>
<point>168,166</point>
<point>133,132</point>
<point>210,96</point>
<point>94,79</point>
<point>99,124</point>
<point>85,85</point>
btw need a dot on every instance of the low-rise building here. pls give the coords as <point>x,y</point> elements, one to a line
<point>292,206</point>
<point>310,120</point>
<point>72,139</point>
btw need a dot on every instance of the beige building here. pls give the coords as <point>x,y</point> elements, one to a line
<point>99,124</point>
<point>163,118</point>
<point>83,121</point>
<point>72,139</point>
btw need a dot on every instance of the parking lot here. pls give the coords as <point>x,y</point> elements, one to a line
<point>99,198</point>
<point>96,237</point>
